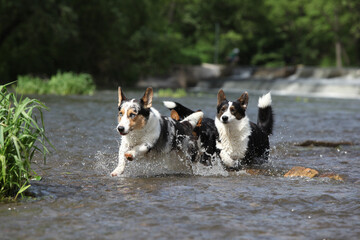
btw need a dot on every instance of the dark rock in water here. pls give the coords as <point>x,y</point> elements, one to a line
<point>301,172</point>
<point>332,176</point>
<point>312,143</point>
<point>273,73</point>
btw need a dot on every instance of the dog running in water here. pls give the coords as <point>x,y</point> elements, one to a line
<point>242,142</point>
<point>232,136</point>
<point>147,136</point>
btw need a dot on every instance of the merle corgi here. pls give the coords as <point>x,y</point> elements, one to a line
<point>242,142</point>
<point>205,131</point>
<point>148,136</point>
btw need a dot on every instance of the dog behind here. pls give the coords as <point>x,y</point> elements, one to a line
<point>206,131</point>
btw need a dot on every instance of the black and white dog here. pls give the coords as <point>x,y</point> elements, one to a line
<point>232,136</point>
<point>242,142</point>
<point>148,136</point>
<point>205,131</point>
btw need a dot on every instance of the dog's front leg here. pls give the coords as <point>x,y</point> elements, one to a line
<point>137,150</point>
<point>224,155</point>
<point>121,165</point>
<point>227,160</point>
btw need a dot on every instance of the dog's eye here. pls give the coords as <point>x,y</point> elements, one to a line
<point>120,114</point>
<point>132,115</point>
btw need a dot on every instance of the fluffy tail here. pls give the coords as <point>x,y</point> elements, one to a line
<point>181,110</point>
<point>194,119</point>
<point>265,116</point>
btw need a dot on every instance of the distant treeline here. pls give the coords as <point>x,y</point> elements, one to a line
<point>120,41</point>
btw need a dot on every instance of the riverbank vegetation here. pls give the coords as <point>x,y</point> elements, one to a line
<point>21,136</point>
<point>66,83</point>
<point>119,42</point>
<point>172,93</point>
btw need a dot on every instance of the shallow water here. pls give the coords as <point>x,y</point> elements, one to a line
<point>77,199</point>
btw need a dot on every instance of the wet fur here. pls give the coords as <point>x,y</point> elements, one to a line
<point>144,131</point>
<point>205,131</point>
<point>242,142</point>
<point>238,143</point>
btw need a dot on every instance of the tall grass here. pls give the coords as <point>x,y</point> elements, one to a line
<point>21,135</point>
<point>66,83</point>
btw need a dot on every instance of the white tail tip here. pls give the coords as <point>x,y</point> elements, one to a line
<point>169,104</point>
<point>265,101</point>
<point>194,118</point>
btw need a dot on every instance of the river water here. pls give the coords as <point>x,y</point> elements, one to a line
<point>77,199</point>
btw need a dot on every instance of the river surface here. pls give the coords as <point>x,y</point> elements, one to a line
<point>77,199</point>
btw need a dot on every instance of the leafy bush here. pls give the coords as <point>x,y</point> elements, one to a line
<point>69,83</point>
<point>20,137</point>
<point>31,85</point>
<point>168,92</point>
<point>66,83</point>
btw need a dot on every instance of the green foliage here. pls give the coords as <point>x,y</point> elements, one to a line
<point>21,135</point>
<point>66,83</point>
<point>168,92</point>
<point>31,85</point>
<point>135,39</point>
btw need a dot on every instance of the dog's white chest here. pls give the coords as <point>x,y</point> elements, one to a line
<point>234,137</point>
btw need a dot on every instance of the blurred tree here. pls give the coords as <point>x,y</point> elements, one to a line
<point>30,35</point>
<point>120,41</point>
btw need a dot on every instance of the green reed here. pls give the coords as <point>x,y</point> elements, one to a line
<point>21,136</point>
<point>63,83</point>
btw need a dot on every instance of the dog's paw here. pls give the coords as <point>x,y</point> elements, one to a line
<point>130,155</point>
<point>144,148</point>
<point>227,160</point>
<point>116,172</point>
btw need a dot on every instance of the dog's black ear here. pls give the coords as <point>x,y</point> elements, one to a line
<point>244,99</point>
<point>146,100</point>
<point>220,97</point>
<point>121,96</point>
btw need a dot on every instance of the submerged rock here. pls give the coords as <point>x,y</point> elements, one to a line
<point>301,172</point>
<point>312,143</point>
<point>332,176</point>
<point>296,171</point>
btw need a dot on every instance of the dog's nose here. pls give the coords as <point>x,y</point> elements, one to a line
<point>225,118</point>
<point>121,129</point>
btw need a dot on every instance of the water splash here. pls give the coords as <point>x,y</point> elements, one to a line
<point>215,170</point>
<point>104,162</point>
